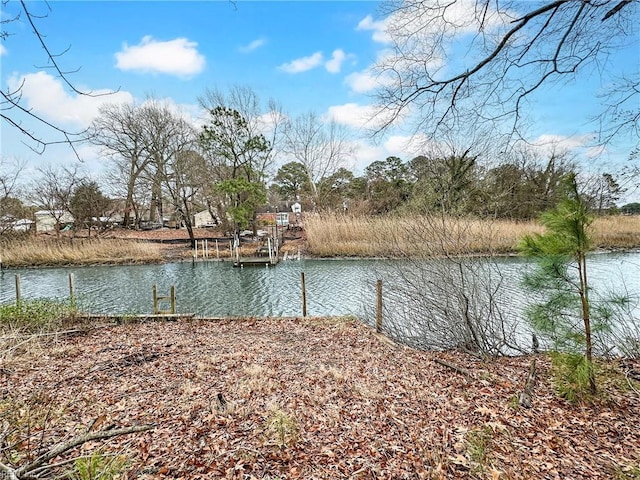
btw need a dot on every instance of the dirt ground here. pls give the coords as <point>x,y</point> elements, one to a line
<point>316,399</point>
<point>294,240</point>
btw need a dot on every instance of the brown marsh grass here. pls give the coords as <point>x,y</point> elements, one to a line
<point>617,232</point>
<point>38,251</point>
<point>331,235</point>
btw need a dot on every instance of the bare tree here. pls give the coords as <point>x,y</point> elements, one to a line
<point>10,204</point>
<point>167,134</point>
<point>621,116</point>
<point>511,51</point>
<point>10,170</point>
<point>321,147</point>
<point>141,140</point>
<point>440,297</point>
<point>53,191</point>
<point>185,177</point>
<point>119,131</point>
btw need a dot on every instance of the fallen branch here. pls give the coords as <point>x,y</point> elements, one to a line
<point>29,338</point>
<point>25,471</point>
<point>456,368</point>
<point>525,399</point>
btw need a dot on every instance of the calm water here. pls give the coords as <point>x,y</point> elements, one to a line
<point>334,287</point>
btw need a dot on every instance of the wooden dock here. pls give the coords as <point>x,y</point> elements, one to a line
<point>255,261</point>
<point>265,255</point>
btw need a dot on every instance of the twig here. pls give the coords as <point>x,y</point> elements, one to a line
<point>460,370</point>
<point>8,471</point>
<point>75,442</point>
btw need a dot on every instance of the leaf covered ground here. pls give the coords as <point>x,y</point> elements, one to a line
<point>316,399</point>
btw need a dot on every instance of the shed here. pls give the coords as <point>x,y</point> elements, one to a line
<point>46,221</point>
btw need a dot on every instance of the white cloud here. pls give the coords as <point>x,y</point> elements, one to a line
<point>408,146</point>
<point>379,28</point>
<point>404,147</point>
<point>363,117</point>
<point>46,96</point>
<point>178,57</point>
<point>362,82</point>
<point>334,65</point>
<point>3,51</point>
<point>259,42</point>
<point>302,64</point>
<point>582,146</point>
<point>550,142</point>
<point>352,114</point>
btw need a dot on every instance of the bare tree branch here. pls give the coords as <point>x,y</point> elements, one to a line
<point>507,56</point>
<point>11,101</point>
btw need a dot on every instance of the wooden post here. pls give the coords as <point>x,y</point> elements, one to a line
<point>173,299</point>
<point>18,290</point>
<point>379,306</point>
<point>217,250</point>
<point>304,296</point>
<point>206,248</point>
<point>155,299</point>
<point>72,290</point>
<point>195,251</point>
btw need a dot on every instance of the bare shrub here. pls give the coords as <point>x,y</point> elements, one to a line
<point>435,300</point>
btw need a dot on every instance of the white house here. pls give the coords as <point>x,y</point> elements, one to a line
<point>203,219</point>
<point>46,222</point>
<point>22,225</point>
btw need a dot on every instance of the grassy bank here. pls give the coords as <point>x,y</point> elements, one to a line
<point>340,235</point>
<point>310,398</point>
<point>330,235</point>
<point>44,251</point>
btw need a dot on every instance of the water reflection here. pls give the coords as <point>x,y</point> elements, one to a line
<point>334,287</point>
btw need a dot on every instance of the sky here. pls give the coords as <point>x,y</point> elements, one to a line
<point>307,55</point>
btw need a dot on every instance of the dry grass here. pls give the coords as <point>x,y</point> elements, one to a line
<point>618,232</point>
<point>38,251</point>
<point>340,235</point>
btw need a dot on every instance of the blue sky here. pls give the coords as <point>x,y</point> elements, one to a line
<point>307,55</point>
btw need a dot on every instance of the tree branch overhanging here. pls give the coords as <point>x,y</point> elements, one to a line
<point>509,57</point>
<point>12,100</point>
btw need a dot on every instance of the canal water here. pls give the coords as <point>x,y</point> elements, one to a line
<point>333,287</point>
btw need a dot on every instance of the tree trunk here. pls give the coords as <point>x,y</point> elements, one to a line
<point>584,300</point>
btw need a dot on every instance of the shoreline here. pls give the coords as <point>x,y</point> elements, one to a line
<point>168,259</point>
<point>325,237</point>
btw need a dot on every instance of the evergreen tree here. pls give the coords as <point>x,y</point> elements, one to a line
<point>565,313</point>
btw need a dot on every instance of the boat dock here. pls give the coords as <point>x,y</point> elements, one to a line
<point>266,254</point>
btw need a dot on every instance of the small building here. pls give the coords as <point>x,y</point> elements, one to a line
<point>46,221</point>
<point>203,219</point>
<point>22,225</point>
<point>282,219</point>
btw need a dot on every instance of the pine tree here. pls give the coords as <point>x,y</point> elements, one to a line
<point>564,314</point>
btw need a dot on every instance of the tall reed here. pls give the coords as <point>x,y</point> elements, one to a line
<point>37,251</point>
<point>399,236</point>
<point>617,232</point>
